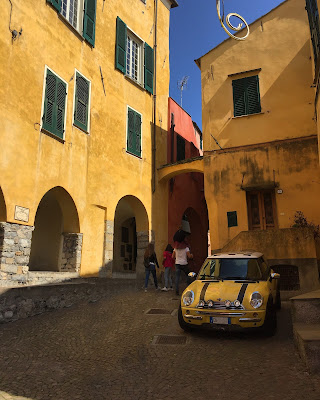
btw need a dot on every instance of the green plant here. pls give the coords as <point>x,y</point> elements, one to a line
<point>300,221</point>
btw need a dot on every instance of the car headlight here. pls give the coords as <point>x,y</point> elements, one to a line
<point>256,300</point>
<point>210,304</point>
<point>228,303</point>
<point>237,303</point>
<point>188,298</point>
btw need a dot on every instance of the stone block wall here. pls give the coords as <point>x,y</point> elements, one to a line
<point>142,243</point>
<point>71,252</point>
<point>106,269</point>
<point>15,248</point>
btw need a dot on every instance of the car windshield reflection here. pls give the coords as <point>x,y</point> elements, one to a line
<point>233,269</point>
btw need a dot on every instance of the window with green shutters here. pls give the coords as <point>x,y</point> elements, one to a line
<point>81,14</point>
<point>81,102</point>
<point>134,122</point>
<point>134,58</point>
<point>246,96</point>
<point>54,107</point>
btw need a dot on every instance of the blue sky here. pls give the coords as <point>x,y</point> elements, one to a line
<point>194,30</point>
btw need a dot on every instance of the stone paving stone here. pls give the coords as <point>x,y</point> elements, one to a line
<point>104,350</point>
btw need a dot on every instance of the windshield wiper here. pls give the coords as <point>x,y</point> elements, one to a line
<point>214,278</point>
<point>239,278</point>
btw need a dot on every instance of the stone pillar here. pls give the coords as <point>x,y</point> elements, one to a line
<point>15,248</point>
<point>142,243</point>
<point>106,269</point>
<point>71,252</point>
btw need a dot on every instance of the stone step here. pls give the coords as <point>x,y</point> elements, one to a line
<point>307,340</point>
<point>306,308</point>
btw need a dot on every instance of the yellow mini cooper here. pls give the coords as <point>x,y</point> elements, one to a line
<point>232,290</point>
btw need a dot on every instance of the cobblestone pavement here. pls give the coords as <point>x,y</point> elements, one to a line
<point>105,350</point>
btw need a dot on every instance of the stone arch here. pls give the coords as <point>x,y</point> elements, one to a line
<point>56,240</point>
<point>3,208</point>
<point>198,237</point>
<point>131,236</point>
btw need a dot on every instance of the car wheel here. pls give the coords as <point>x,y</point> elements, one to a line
<point>269,326</point>
<point>183,325</point>
<point>278,300</point>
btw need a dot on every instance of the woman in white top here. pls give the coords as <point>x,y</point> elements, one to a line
<point>181,257</point>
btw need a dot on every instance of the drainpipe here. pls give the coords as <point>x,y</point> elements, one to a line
<point>154,98</point>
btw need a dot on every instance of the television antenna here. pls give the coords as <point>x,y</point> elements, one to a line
<point>181,84</point>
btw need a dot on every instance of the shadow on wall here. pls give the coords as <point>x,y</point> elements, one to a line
<point>56,239</point>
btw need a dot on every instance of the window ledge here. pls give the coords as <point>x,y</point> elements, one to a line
<point>134,155</point>
<point>52,135</point>
<point>139,85</point>
<point>72,28</point>
<point>80,129</point>
<point>248,115</point>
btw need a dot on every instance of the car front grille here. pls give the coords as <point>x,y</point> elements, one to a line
<point>220,305</point>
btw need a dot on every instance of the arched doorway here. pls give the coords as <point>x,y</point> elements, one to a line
<point>56,240</point>
<point>3,208</point>
<point>131,236</point>
<point>198,238</point>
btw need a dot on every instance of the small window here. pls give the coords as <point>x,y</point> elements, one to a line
<point>134,58</point>
<point>54,104</point>
<point>134,52</point>
<point>181,148</point>
<point>72,10</point>
<point>134,122</point>
<point>81,116</point>
<point>81,14</point>
<point>246,96</point>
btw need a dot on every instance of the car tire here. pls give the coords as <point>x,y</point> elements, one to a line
<point>269,326</point>
<point>278,300</point>
<point>183,325</point>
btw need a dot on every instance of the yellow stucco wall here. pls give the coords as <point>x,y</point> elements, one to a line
<point>279,44</point>
<point>289,166</point>
<point>276,148</point>
<point>94,168</point>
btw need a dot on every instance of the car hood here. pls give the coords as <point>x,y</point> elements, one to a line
<point>227,290</point>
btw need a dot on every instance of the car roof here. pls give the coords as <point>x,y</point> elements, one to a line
<point>240,254</point>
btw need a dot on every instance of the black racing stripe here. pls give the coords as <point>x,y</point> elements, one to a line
<point>242,292</point>
<point>203,291</point>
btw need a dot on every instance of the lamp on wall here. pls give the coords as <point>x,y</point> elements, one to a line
<point>226,20</point>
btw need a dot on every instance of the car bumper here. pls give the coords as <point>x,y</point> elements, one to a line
<point>243,318</point>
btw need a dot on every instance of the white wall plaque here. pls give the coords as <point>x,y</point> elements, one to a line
<point>21,214</point>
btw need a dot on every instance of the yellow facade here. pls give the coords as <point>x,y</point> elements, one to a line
<point>94,168</point>
<point>274,150</point>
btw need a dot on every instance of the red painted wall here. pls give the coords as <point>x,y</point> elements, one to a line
<point>186,191</point>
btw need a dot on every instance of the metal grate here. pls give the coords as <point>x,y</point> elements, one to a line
<point>289,276</point>
<point>158,311</point>
<point>168,339</point>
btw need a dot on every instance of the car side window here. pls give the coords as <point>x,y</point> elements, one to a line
<point>265,270</point>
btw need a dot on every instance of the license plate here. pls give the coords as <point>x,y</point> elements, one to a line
<point>220,320</point>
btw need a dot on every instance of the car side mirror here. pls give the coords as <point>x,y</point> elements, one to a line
<point>274,275</point>
<point>191,277</point>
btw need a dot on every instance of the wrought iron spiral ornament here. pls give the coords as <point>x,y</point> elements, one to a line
<point>227,21</point>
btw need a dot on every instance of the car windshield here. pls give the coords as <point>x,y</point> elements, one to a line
<point>233,269</point>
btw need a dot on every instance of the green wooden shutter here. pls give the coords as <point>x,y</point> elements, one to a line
<point>239,97</point>
<point>60,107</point>
<point>54,105</point>
<point>89,21</point>
<point>121,46</point>
<point>81,109</point>
<point>246,96</point>
<point>56,4</point>
<point>137,130</point>
<point>49,111</point>
<point>134,133</point>
<point>253,95</point>
<point>148,68</point>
